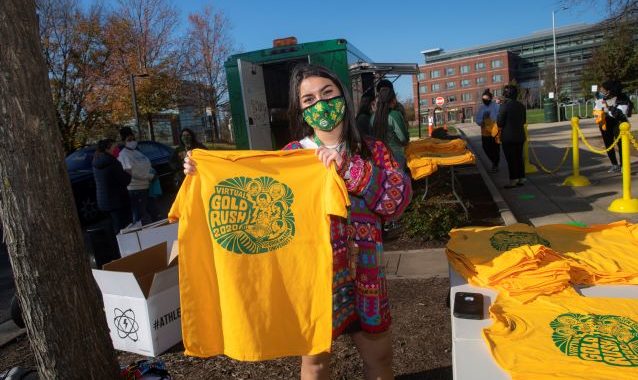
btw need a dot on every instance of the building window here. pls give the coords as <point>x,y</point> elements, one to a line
<point>421,76</point>
<point>479,66</point>
<point>498,92</point>
<point>433,100</point>
<point>423,89</point>
<point>498,78</point>
<point>450,84</point>
<point>450,71</point>
<point>496,63</point>
<point>436,87</point>
<point>465,83</point>
<point>451,98</point>
<point>465,69</point>
<point>423,102</point>
<point>467,97</point>
<point>435,73</point>
<point>480,80</point>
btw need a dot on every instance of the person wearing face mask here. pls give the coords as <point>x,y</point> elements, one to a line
<point>187,141</point>
<point>486,119</point>
<point>615,107</point>
<point>322,118</point>
<point>138,166</point>
<point>511,123</point>
<point>388,125</point>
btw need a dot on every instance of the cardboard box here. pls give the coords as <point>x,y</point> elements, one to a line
<point>134,240</point>
<point>141,301</point>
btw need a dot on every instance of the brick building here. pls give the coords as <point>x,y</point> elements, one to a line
<point>460,82</point>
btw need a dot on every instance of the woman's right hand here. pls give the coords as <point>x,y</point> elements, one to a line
<point>190,166</point>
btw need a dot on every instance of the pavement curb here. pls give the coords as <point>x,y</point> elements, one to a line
<point>503,208</point>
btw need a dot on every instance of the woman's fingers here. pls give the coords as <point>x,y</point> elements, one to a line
<point>190,166</point>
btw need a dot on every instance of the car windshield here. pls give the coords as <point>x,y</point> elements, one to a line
<point>80,159</point>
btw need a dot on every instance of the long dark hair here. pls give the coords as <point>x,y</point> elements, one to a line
<point>194,142</point>
<point>298,126</point>
<point>384,106</point>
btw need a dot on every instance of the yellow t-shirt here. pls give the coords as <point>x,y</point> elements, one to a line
<point>565,336</point>
<point>255,256</point>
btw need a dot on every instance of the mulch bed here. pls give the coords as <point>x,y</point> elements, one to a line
<point>421,341</point>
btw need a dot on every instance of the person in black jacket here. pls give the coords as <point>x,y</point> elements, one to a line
<point>511,121</point>
<point>617,107</point>
<point>110,184</point>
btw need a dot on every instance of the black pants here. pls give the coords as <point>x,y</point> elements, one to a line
<point>491,149</point>
<point>609,136</point>
<point>514,157</point>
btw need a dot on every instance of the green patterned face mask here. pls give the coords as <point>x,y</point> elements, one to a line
<point>325,115</point>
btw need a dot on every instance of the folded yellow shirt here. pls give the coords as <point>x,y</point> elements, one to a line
<point>565,336</point>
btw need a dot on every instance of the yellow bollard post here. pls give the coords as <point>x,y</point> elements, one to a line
<point>626,204</point>
<point>575,180</point>
<point>529,168</point>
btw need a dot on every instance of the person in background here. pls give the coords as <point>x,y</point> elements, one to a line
<point>365,113</point>
<point>511,123</point>
<point>616,106</point>
<point>486,118</point>
<point>388,125</point>
<point>187,141</point>
<point>361,306</point>
<point>397,105</point>
<point>110,184</point>
<point>138,166</point>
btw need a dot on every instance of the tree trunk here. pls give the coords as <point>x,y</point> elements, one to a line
<point>151,127</point>
<point>61,303</point>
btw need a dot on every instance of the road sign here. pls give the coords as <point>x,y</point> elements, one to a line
<point>440,101</point>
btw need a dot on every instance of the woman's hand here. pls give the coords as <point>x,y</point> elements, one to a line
<point>190,166</point>
<point>328,155</point>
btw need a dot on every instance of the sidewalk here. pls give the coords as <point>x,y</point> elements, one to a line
<point>543,199</point>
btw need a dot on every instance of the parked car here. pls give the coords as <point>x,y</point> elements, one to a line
<point>80,170</point>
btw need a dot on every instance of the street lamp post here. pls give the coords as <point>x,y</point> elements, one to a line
<point>134,98</point>
<point>556,62</point>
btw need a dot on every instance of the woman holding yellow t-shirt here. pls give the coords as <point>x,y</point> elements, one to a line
<point>322,118</point>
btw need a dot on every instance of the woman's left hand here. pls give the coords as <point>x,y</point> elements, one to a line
<point>328,155</point>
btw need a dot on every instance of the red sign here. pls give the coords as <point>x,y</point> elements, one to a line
<point>440,101</point>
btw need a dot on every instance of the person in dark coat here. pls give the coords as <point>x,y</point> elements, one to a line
<point>110,184</point>
<point>511,123</point>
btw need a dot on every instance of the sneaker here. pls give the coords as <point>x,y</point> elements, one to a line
<point>614,169</point>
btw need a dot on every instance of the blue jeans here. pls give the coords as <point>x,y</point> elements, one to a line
<point>139,202</point>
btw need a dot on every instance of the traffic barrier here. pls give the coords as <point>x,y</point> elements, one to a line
<point>538,161</point>
<point>529,168</point>
<point>575,180</point>
<point>626,204</point>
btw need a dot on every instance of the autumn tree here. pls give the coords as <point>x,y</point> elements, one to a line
<point>61,304</point>
<point>140,37</point>
<point>208,46</point>
<point>616,58</point>
<point>76,58</point>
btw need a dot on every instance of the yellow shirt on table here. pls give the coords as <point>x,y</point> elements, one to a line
<point>565,336</point>
<point>255,256</point>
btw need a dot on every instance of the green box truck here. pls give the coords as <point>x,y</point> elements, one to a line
<point>258,85</point>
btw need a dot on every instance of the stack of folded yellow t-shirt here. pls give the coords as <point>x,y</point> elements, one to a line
<point>424,156</point>
<point>522,259</point>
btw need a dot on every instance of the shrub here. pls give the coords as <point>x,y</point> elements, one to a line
<point>430,219</point>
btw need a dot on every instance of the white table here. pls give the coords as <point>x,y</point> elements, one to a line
<point>471,359</point>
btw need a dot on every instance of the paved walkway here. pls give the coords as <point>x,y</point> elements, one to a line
<point>544,200</point>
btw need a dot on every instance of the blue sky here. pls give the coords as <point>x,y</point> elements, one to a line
<point>391,31</point>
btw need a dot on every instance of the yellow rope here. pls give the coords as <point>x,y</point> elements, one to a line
<point>596,150</point>
<point>543,168</point>
<point>633,140</point>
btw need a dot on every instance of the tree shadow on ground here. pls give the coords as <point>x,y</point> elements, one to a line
<point>441,373</point>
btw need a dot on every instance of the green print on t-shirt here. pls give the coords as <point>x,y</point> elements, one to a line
<point>609,339</point>
<point>251,215</point>
<point>505,240</point>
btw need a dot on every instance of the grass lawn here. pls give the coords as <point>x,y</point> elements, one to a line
<point>535,116</point>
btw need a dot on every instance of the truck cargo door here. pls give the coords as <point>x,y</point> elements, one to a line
<point>255,107</point>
